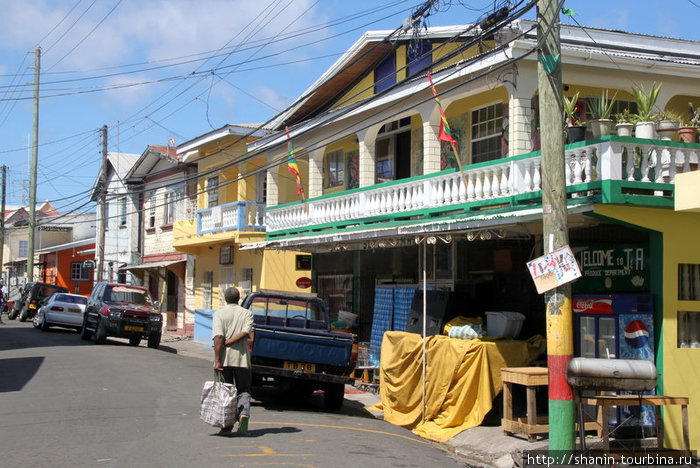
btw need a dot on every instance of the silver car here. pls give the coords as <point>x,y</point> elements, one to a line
<point>62,310</point>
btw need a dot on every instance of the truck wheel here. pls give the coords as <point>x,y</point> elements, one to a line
<point>333,396</point>
<point>23,315</point>
<point>84,332</point>
<point>154,340</point>
<point>100,333</point>
<point>135,340</point>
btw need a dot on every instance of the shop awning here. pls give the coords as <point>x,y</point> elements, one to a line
<point>151,265</point>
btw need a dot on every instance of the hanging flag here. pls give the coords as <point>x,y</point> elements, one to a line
<point>445,134</point>
<point>292,165</point>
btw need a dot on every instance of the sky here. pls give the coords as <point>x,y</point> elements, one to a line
<point>159,72</point>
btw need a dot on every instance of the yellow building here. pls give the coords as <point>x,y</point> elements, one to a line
<point>229,189</point>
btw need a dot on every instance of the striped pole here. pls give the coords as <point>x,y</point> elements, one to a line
<point>562,411</point>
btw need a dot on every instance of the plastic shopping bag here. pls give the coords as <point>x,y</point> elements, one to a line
<point>218,404</point>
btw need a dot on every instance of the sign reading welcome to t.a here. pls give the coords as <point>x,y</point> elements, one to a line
<point>620,268</point>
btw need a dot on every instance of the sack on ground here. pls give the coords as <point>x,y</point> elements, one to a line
<point>218,404</point>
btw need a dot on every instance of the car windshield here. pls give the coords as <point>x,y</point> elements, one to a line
<point>127,294</point>
<point>71,299</point>
<point>45,290</point>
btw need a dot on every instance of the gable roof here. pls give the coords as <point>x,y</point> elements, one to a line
<point>148,161</point>
<point>118,164</point>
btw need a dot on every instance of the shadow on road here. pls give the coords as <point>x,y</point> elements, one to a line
<point>16,372</point>
<point>280,401</point>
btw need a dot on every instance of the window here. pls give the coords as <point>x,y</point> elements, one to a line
<point>418,57</point>
<point>207,280</point>
<point>385,75</point>
<point>335,173</point>
<point>246,282</point>
<point>23,248</point>
<point>227,278</point>
<point>212,191</point>
<point>80,273</point>
<point>261,187</point>
<point>486,134</point>
<point>688,329</point>
<point>173,199</point>
<point>122,212</point>
<point>393,151</point>
<point>688,282</point>
<point>152,209</point>
<point>225,255</point>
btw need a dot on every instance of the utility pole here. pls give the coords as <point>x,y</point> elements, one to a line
<point>2,221</point>
<point>32,170</point>
<point>554,223</point>
<point>103,205</point>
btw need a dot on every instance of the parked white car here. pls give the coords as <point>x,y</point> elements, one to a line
<point>61,310</point>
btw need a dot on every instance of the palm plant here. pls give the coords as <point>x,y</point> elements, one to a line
<point>601,108</point>
<point>646,101</point>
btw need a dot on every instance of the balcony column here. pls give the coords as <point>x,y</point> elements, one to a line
<point>273,175</point>
<point>316,173</point>
<point>367,139</point>
<point>521,117</point>
<point>242,183</point>
<point>431,145</point>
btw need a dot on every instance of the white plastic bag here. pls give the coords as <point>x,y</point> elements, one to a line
<point>218,404</point>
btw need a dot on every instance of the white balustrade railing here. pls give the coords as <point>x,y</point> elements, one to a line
<point>614,159</point>
<point>236,215</point>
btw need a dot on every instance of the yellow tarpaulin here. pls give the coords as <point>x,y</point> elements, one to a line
<point>462,379</point>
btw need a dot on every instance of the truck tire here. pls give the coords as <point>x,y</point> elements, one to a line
<point>24,314</point>
<point>333,396</point>
<point>135,340</point>
<point>100,332</point>
<point>154,340</point>
<point>85,334</point>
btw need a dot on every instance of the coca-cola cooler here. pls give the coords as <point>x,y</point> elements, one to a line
<point>621,326</point>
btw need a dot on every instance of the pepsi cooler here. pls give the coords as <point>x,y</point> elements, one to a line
<point>617,326</point>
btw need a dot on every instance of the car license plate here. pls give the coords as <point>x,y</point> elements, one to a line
<point>133,328</point>
<point>71,309</point>
<point>300,366</point>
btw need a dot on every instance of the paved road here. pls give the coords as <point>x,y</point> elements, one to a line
<point>68,403</point>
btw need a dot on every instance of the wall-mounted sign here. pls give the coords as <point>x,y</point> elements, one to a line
<point>554,269</point>
<point>88,264</point>
<point>619,268</point>
<point>304,282</point>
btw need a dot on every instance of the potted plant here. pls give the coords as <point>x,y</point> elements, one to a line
<point>574,117</point>
<point>668,124</point>
<point>601,108</point>
<point>688,132</point>
<point>646,118</point>
<point>625,123</point>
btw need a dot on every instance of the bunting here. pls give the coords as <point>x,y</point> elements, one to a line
<point>292,165</point>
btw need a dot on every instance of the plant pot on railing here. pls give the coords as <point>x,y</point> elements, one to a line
<point>625,129</point>
<point>668,129</point>
<point>576,133</point>
<point>688,134</point>
<point>601,127</point>
<point>645,130</point>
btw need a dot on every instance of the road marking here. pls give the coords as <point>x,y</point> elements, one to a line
<point>342,427</point>
<point>266,452</point>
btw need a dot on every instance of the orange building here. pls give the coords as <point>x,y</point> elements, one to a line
<point>69,265</point>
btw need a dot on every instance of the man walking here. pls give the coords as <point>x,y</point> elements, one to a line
<point>231,329</point>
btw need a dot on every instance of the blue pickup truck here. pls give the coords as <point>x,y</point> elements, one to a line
<point>295,349</point>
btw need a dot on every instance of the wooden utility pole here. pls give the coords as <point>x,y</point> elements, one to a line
<point>32,170</point>
<point>2,221</point>
<point>554,222</point>
<point>103,206</point>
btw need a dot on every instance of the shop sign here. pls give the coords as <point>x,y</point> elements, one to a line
<point>87,264</point>
<point>554,269</point>
<point>304,282</point>
<point>618,268</point>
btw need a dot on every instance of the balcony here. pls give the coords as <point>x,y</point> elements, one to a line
<point>240,216</point>
<point>606,170</point>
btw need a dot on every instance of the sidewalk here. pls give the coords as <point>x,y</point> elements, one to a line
<point>482,446</point>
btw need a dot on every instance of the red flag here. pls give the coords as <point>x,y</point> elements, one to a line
<point>293,167</point>
<point>445,134</point>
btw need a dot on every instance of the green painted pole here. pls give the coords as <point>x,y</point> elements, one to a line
<point>562,411</point>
